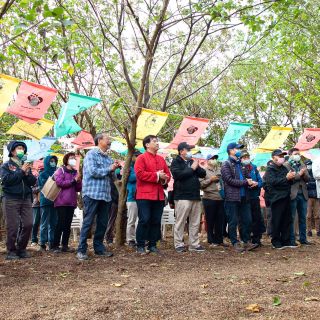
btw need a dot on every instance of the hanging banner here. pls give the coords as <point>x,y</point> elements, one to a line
<point>261,159</point>
<point>84,140</point>
<point>39,149</point>
<point>65,125</point>
<point>34,131</point>
<point>8,88</point>
<point>32,102</point>
<point>190,131</point>
<point>150,122</point>
<point>308,139</point>
<point>78,103</point>
<point>275,138</point>
<point>234,133</point>
<point>66,144</point>
<point>311,154</point>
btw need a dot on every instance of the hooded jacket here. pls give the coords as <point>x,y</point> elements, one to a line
<point>47,172</point>
<point>13,144</point>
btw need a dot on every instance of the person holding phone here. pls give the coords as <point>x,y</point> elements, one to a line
<point>17,181</point>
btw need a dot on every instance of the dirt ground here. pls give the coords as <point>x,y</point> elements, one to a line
<point>216,284</point>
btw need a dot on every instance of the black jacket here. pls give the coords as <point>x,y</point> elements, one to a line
<point>276,184</point>
<point>312,186</point>
<point>15,183</point>
<point>186,180</point>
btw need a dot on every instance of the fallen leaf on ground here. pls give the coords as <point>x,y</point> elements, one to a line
<point>205,285</point>
<point>253,307</point>
<point>306,284</point>
<point>283,279</point>
<point>154,265</point>
<point>276,301</point>
<point>117,284</point>
<point>125,275</point>
<point>312,299</point>
<point>300,274</point>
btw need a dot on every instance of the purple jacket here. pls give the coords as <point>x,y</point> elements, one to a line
<point>231,180</point>
<point>69,187</point>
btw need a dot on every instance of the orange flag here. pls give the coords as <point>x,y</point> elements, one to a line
<point>32,102</point>
<point>308,139</point>
<point>83,140</point>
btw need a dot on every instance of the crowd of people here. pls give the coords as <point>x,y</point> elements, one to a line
<point>228,193</point>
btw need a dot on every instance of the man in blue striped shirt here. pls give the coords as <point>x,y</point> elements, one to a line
<point>96,192</point>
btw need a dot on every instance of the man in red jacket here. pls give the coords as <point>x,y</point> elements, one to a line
<point>152,174</point>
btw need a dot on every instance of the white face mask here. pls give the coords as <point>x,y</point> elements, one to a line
<point>72,162</point>
<point>296,157</point>
<point>246,162</point>
<point>189,155</point>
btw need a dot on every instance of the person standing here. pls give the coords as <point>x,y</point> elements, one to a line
<point>186,189</point>
<point>96,192</point>
<point>277,183</point>
<point>69,180</point>
<point>299,196</point>
<point>152,175</point>
<point>36,215</point>
<point>313,202</point>
<point>17,180</point>
<point>213,202</point>
<point>258,227</point>
<point>48,213</point>
<point>236,181</point>
<point>132,204</point>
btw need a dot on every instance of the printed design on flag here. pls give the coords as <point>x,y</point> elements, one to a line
<point>310,137</point>
<point>192,129</point>
<point>150,121</point>
<point>34,99</point>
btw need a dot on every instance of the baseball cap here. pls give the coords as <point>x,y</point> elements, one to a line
<point>184,145</point>
<point>234,145</point>
<point>278,152</point>
<point>212,156</point>
<point>244,153</point>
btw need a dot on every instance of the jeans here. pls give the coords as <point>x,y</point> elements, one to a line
<point>299,204</point>
<point>92,208</point>
<point>214,211</point>
<point>65,216</point>
<point>258,227</point>
<point>281,220</point>
<point>149,224</point>
<point>238,213</point>
<point>36,224</point>
<point>48,224</point>
<point>18,215</point>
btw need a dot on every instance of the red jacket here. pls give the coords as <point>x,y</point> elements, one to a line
<point>148,186</point>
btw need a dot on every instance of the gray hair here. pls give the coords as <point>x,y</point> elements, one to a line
<point>100,136</point>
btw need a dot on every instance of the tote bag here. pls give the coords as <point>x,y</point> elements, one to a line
<point>50,189</point>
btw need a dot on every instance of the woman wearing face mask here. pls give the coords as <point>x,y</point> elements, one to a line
<point>278,180</point>
<point>213,202</point>
<point>48,213</point>
<point>17,180</point>
<point>69,180</point>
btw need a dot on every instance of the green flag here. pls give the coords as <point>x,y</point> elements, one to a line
<point>78,103</point>
<point>65,125</point>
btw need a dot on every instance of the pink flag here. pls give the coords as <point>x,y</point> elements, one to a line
<point>308,139</point>
<point>83,140</point>
<point>190,131</point>
<point>32,102</point>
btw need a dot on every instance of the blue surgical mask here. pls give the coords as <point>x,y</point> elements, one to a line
<point>238,154</point>
<point>53,164</point>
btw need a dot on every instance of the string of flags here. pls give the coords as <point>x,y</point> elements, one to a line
<point>30,102</point>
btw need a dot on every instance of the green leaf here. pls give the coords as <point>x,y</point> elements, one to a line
<point>58,11</point>
<point>276,301</point>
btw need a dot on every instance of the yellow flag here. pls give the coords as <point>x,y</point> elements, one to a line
<point>150,122</point>
<point>274,139</point>
<point>35,131</point>
<point>8,87</point>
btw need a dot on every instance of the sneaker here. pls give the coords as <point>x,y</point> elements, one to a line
<point>33,244</point>
<point>154,249</point>
<point>12,256</point>
<point>132,243</point>
<point>67,249</point>
<point>57,250</point>
<point>181,249</point>
<point>141,250</point>
<point>42,248</point>
<point>238,248</point>
<point>222,244</point>
<point>309,233</point>
<point>306,243</point>
<point>213,245</point>
<point>23,254</point>
<point>250,246</point>
<point>106,254</point>
<point>82,256</point>
<point>293,245</point>
<point>278,246</point>
<point>197,249</point>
